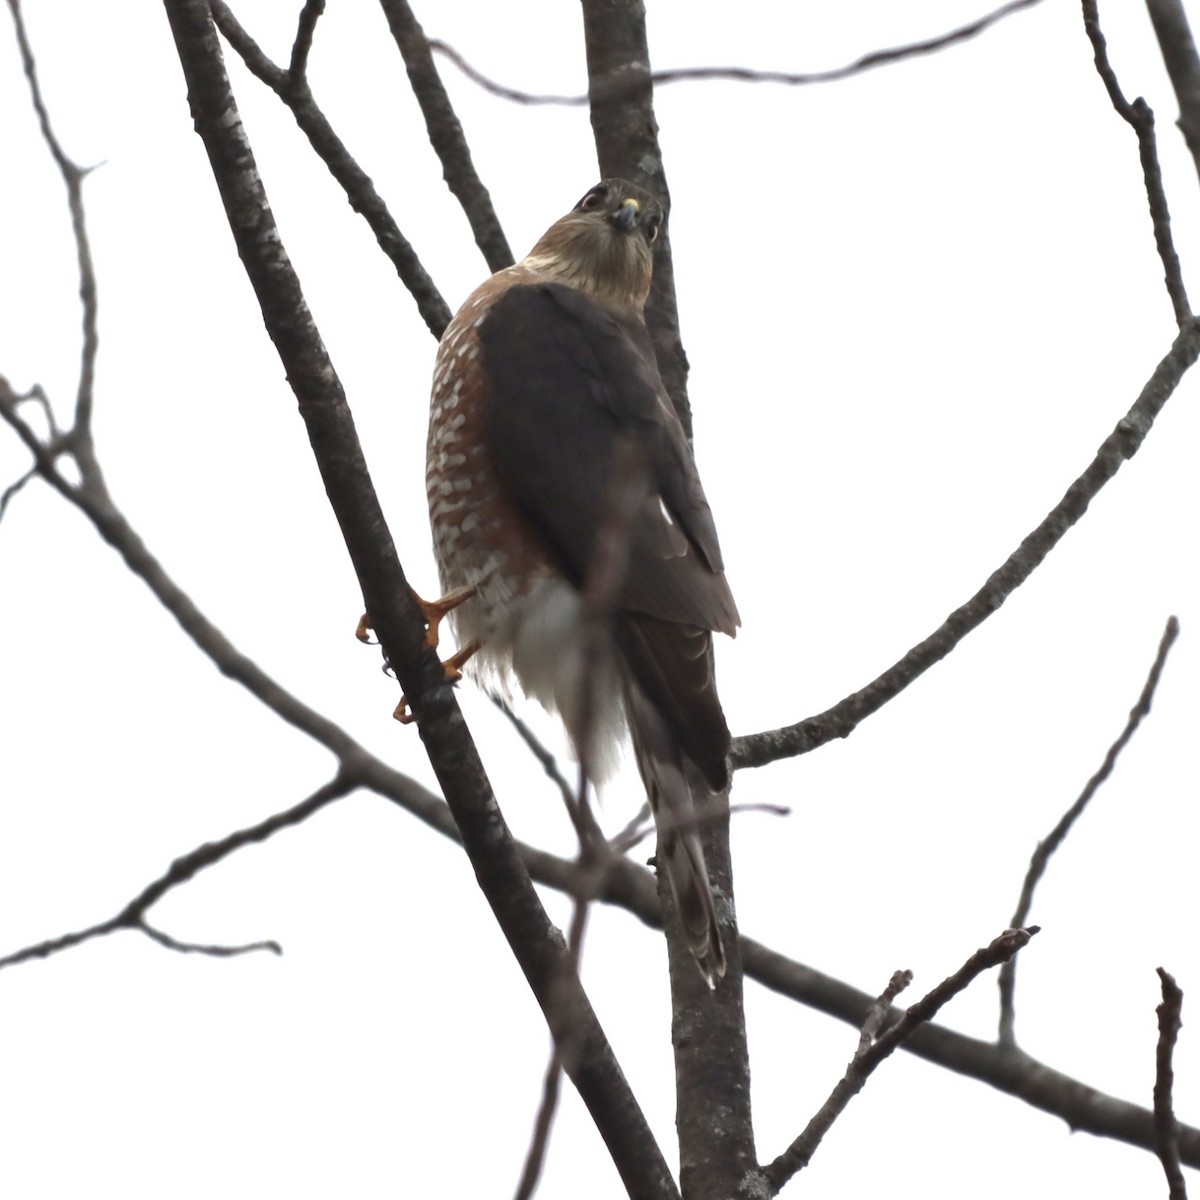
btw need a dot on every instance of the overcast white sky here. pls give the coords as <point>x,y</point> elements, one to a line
<point>914,303</point>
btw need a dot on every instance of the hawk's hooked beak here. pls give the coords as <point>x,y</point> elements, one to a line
<point>625,218</point>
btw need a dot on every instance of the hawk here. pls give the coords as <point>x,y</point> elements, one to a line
<point>544,380</point>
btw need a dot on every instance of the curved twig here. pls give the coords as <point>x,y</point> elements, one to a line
<point>1046,849</point>
<point>1140,117</point>
<point>758,749</point>
<point>618,90</point>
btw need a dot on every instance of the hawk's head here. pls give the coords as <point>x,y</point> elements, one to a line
<point>602,246</point>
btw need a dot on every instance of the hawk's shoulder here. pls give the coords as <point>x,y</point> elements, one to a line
<point>568,379</point>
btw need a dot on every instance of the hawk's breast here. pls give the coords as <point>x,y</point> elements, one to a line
<point>480,539</point>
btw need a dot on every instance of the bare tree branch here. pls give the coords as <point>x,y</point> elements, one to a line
<point>310,14</point>
<point>616,89</point>
<point>799,1154</point>
<point>1178,49</point>
<point>1046,849</point>
<point>446,134</point>
<point>1140,117</point>
<point>293,90</point>
<point>1008,1069</point>
<point>181,871</point>
<point>395,615</point>
<point>757,749</point>
<point>1166,1127</point>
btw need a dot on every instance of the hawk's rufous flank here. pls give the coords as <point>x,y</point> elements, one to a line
<point>545,391</point>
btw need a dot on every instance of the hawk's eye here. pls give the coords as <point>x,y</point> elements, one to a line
<point>652,228</point>
<point>592,200</point>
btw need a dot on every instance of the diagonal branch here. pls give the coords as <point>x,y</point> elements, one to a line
<point>1046,849</point>
<point>292,88</point>
<point>757,749</point>
<point>446,134</point>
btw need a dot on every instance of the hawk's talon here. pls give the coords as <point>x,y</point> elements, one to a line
<point>435,612</point>
<point>452,667</point>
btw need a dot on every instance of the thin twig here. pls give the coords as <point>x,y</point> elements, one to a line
<point>1140,118</point>
<point>446,134</point>
<point>537,749</point>
<point>642,826</point>
<point>798,1155</point>
<point>73,176</point>
<point>1166,1126</point>
<point>14,488</point>
<point>879,1010</point>
<point>758,749</point>
<point>618,89</point>
<point>206,948</point>
<point>184,869</point>
<point>535,1156</point>
<point>1046,848</point>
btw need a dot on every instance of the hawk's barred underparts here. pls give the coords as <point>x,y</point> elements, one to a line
<point>545,384</point>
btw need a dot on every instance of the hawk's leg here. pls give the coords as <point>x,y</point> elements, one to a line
<point>452,666</point>
<point>434,612</point>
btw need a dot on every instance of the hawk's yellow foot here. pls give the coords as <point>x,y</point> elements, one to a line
<point>453,668</point>
<point>434,612</point>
